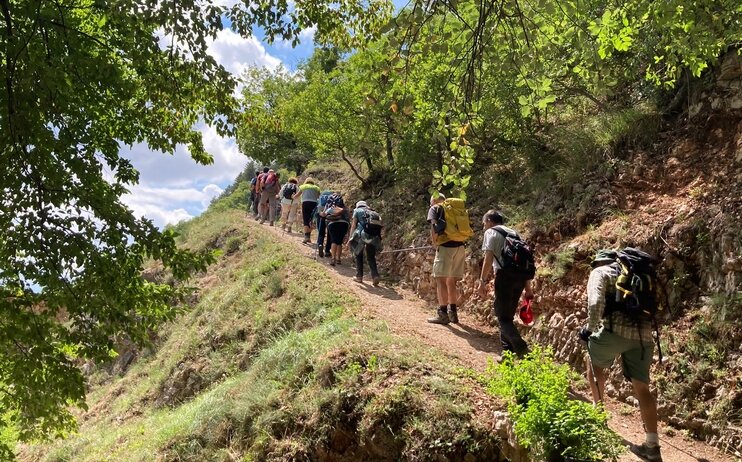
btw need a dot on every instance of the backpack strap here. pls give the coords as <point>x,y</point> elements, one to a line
<point>504,234</point>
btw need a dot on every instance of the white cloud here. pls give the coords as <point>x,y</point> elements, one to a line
<point>237,53</point>
<point>169,205</point>
<point>210,192</point>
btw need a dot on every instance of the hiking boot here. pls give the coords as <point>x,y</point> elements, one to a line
<point>271,223</point>
<point>321,252</point>
<point>648,453</point>
<point>453,315</point>
<point>442,317</point>
<point>376,281</point>
<point>358,278</point>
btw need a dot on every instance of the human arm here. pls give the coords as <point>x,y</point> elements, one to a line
<point>528,292</point>
<point>481,284</point>
<point>597,284</point>
<point>432,218</point>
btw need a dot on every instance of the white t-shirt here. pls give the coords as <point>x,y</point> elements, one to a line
<point>495,242</point>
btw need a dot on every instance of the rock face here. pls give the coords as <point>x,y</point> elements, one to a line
<point>682,203</point>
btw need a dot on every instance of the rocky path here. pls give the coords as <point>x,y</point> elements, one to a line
<point>473,344</point>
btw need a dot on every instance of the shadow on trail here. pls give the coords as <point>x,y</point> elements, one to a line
<point>479,340</point>
<point>347,268</point>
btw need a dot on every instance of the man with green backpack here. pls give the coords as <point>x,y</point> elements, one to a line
<point>622,307</point>
<point>449,230</point>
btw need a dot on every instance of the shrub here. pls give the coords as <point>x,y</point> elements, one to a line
<point>546,421</point>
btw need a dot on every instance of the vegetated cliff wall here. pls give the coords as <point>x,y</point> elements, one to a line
<point>680,200</point>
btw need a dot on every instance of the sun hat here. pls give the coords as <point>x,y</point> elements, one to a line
<point>361,204</point>
<point>604,256</point>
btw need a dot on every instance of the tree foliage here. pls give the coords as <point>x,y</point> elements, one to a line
<point>450,84</point>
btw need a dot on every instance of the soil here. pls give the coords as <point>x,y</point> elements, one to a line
<point>472,345</point>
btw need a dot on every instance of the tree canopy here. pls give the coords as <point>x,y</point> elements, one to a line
<point>448,83</point>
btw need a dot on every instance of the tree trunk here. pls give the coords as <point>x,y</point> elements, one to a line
<point>389,144</point>
<point>353,168</point>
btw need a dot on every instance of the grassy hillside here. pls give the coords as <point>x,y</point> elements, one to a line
<point>269,363</point>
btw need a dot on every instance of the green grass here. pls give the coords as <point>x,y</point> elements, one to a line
<point>281,365</point>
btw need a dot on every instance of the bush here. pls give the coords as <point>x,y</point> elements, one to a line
<point>549,423</point>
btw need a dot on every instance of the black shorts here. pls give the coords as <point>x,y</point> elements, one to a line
<point>337,231</point>
<point>307,210</point>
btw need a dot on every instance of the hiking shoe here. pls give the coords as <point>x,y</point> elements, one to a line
<point>442,317</point>
<point>321,252</point>
<point>377,279</point>
<point>648,453</point>
<point>453,316</point>
<point>358,278</point>
<point>332,262</point>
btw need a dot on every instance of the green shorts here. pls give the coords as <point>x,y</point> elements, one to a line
<point>636,358</point>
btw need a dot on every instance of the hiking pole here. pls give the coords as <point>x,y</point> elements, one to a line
<point>410,249</point>
<point>592,369</point>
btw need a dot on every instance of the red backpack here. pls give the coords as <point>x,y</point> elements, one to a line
<point>270,182</point>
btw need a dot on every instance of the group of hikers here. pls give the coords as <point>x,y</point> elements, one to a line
<point>620,290</point>
<point>338,226</point>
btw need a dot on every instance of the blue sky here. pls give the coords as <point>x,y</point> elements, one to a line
<point>175,188</point>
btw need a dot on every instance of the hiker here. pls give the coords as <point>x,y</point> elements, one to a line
<point>259,186</point>
<point>449,230</point>
<point>254,194</point>
<point>271,186</point>
<point>365,235</point>
<point>309,194</point>
<point>323,245</point>
<point>613,330</point>
<point>336,216</point>
<point>509,281</point>
<point>289,206</point>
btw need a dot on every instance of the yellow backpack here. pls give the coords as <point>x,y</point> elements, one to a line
<point>456,217</point>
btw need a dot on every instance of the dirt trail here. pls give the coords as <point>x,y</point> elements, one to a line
<point>472,344</point>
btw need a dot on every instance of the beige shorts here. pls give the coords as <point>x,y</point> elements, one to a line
<point>449,262</point>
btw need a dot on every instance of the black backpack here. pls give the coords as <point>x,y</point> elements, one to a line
<point>372,222</point>
<point>517,255</point>
<point>636,286</point>
<point>289,190</point>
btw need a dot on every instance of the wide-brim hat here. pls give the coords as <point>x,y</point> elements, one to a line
<point>361,204</point>
<point>604,256</point>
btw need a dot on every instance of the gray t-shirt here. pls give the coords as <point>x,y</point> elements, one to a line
<point>495,242</point>
<point>309,192</point>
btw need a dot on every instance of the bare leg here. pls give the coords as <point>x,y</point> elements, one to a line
<point>598,389</point>
<point>647,405</point>
<point>442,291</point>
<point>452,292</point>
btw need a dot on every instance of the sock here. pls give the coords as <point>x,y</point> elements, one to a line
<point>652,440</point>
<point>452,306</point>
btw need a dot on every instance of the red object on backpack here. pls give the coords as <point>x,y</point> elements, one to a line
<point>526,312</point>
